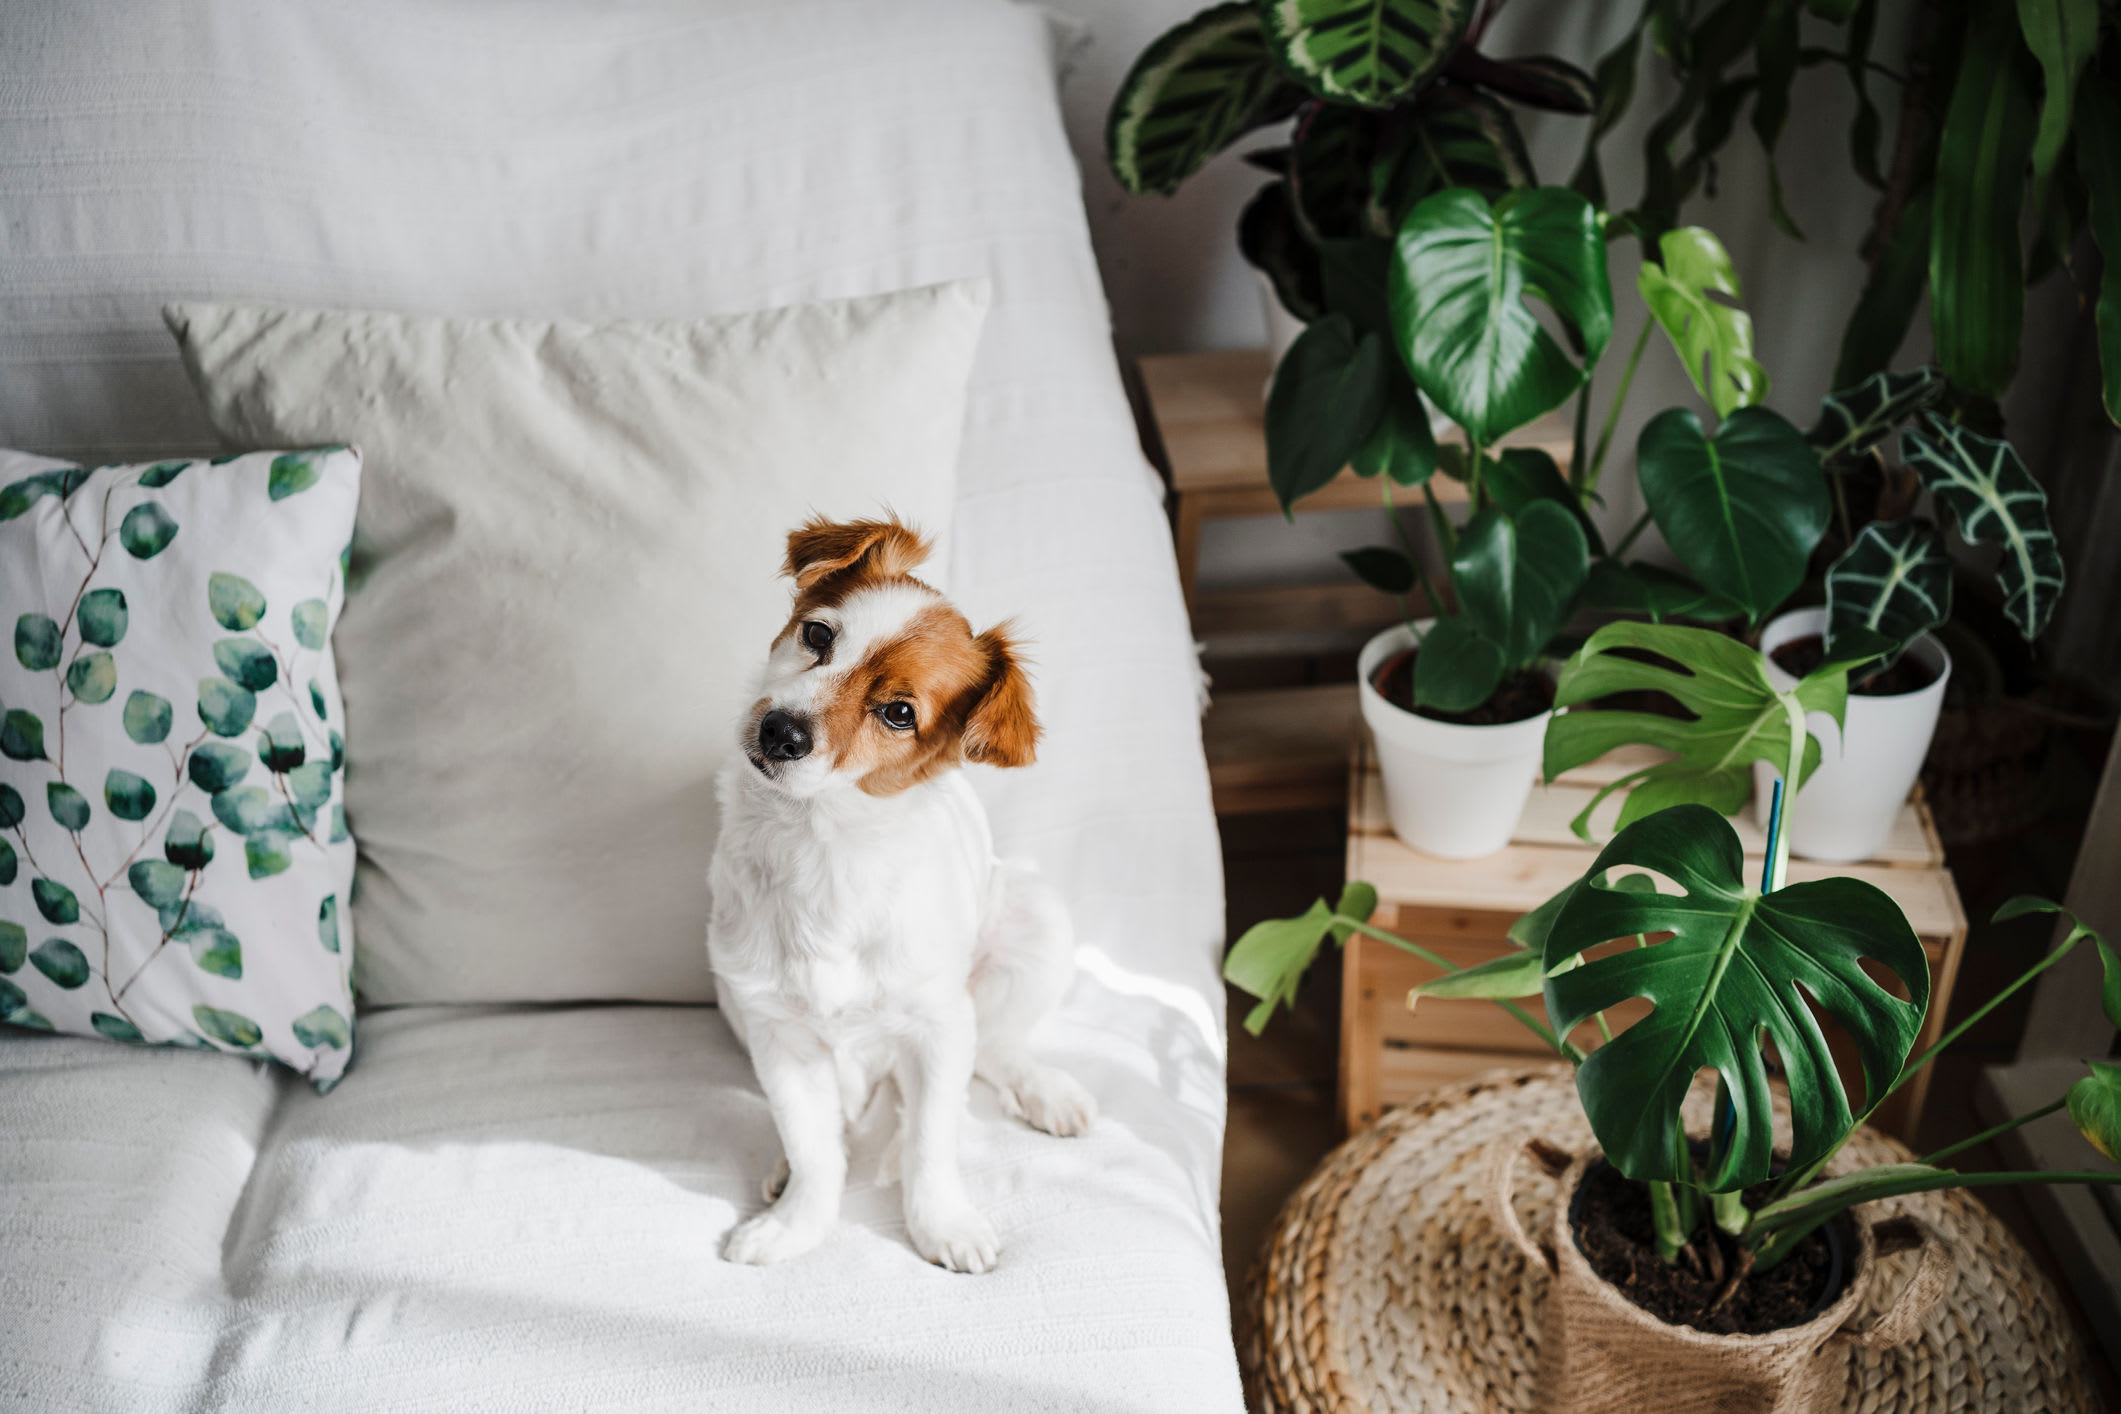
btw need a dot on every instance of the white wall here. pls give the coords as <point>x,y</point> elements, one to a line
<point>1176,281</point>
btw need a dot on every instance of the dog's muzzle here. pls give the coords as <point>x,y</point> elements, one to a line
<point>783,736</point>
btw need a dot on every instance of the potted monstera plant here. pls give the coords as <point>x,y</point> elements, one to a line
<point>1715,1260</point>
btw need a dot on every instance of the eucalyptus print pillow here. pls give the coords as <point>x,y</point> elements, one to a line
<point>174,858</point>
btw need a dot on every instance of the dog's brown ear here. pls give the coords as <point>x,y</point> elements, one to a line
<point>1002,729</point>
<point>822,547</point>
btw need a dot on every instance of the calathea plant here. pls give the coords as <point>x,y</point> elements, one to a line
<point>1736,972</point>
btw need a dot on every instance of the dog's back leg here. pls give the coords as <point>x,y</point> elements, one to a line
<point>1025,961</point>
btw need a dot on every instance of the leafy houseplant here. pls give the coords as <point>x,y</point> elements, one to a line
<point>1735,971</point>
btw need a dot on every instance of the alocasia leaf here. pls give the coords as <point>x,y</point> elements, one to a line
<point>1741,969</point>
<point>1714,340</point>
<point>1854,420</point>
<point>1997,502</point>
<point>1458,285</point>
<point>1738,717</point>
<point>1894,580</point>
<point>1368,52</point>
<point>1202,85</point>
<point>1743,509</point>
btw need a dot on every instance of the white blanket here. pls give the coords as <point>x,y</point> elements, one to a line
<point>520,1209</point>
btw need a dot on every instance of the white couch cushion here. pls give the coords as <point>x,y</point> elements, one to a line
<point>567,564</point>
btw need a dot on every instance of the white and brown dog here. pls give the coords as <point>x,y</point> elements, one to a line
<point>863,932</point>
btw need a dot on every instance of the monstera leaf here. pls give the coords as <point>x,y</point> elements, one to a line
<point>1895,581</point>
<point>1197,89</point>
<point>1743,509</point>
<point>1738,718</point>
<point>1854,420</point>
<point>1269,961</point>
<point>1368,52</point>
<point>1982,482</point>
<point>1714,340</point>
<point>1328,393</point>
<point>1460,277</point>
<point>1451,137</point>
<point>1740,969</point>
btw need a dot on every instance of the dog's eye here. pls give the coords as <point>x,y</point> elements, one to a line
<point>897,715</point>
<point>817,637</point>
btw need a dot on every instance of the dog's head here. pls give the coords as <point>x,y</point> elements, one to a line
<point>876,681</point>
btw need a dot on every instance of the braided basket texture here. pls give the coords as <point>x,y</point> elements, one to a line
<point>1386,1286</point>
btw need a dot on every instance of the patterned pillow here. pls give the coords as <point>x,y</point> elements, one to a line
<point>174,858</point>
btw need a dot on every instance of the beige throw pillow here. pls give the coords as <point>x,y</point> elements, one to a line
<point>564,578</point>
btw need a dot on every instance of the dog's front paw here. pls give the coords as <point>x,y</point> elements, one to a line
<point>768,1238</point>
<point>959,1239</point>
<point>1056,1102</point>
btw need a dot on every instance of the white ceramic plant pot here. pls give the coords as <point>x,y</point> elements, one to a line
<point>1846,810</point>
<point>1450,790</point>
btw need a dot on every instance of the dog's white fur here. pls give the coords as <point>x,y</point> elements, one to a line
<point>860,940</point>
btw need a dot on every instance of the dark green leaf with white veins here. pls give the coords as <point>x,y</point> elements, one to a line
<point>1328,394</point>
<point>1739,719</point>
<point>236,603</point>
<point>1997,502</point>
<point>1854,420</point>
<point>228,1027</point>
<point>1517,576</point>
<point>1452,137</point>
<point>1197,89</point>
<point>1714,339</point>
<point>1894,580</point>
<point>1740,967</point>
<point>103,617</point>
<point>1370,52</point>
<point>62,962</point>
<point>1461,275</point>
<point>1742,510</point>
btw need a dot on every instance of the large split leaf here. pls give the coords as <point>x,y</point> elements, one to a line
<point>1193,92</point>
<point>1516,576</point>
<point>1997,502</point>
<point>1740,969</point>
<point>1461,274</point>
<point>1894,580</point>
<point>1328,393</point>
<point>1713,339</point>
<point>1738,717</point>
<point>1369,52</point>
<point>1977,277</point>
<point>1743,509</point>
<point>1854,420</point>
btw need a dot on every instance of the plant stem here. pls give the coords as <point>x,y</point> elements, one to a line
<point>1428,590</point>
<point>1476,458</point>
<point>1446,533</point>
<point>1567,1050</point>
<point>1612,417</point>
<point>1841,503</point>
<point>1786,1232</point>
<point>1664,1216</point>
<point>1581,436</point>
<point>1627,541</point>
<point>1987,1134</point>
<point>1907,1072</point>
<point>1730,1210</point>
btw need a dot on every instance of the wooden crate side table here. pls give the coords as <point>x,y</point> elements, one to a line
<point>1280,748</point>
<point>1462,909</point>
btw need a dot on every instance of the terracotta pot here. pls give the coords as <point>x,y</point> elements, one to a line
<point>1600,1353</point>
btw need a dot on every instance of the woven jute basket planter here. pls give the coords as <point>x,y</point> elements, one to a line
<point>1392,1282</point>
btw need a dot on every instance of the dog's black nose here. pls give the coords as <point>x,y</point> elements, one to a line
<point>783,737</point>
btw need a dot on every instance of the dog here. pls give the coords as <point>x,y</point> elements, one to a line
<point>862,932</point>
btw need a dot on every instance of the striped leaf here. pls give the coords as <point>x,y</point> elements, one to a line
<point>1452,137</point>
<point>1854,420</point>
<point>1197,89</point>
<point>1895,581</point>
<point>1329,171</point>
<point>1369,52</point>
<point>1983,483</point>
<point>1537,81</point>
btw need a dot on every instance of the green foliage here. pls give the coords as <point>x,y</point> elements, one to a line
<point>328,923</point>
<point>248,810</point>
<point>63,963</point>
<point>14,946</point>
<point>1401,446</point>
<point>1381,567</point>
<point>103,617</point>
<point>146,530</point>
<point>37,642</point>
<point>1743,509</point>
<point>1274,244</point>
<point>1368,52</point>
<point>158,885</point>
<point>22,736</point>
<point>1654,593</point>
<point>1453,137</point>
<point>215,767</point>
<point>68,806</point>
<point>224,707</point>
<point>1514,974</point>
<point>1714,340</point>
<point>1997,502</point>
<point>1727,979</point>
<point>1738,719</point>
<point>1458,286</point>
<point>215,950</point>
<point>247,662</point>
<point>280,744</point>
<point>2095,1106</point>
<point>8,864</point>
<point>1193,92</point>
<point>323,1026</point>
<point>129,797</point>
<point>2099,168</point>
<point>292,472</point>
<point>1896,286</point>
<point>115,1028</point>
<point>1457,667</point>
<point>18,496</point>
<point>235,601</point>
<point>1269,961</point>
<point>162,473</point>
<point>12,810</point>
<point>311,623</point>
<point>1516,578</point>
<point>1328,394</point>
<point>2063,35</point>
<point>1855,419</point>
<point>1893,581</point>
<point>188,845</point>
<point>266,854</point>
<point>92,677</point>
<point>230,1028</point>
<point>147,718</point>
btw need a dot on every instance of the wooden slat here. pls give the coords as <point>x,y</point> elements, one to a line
<point>1271,607</point>
<point>1280,748</point>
